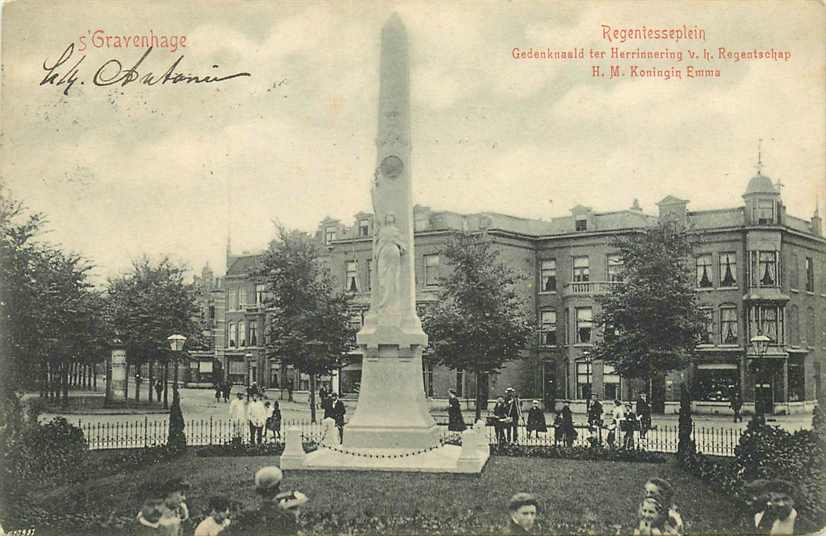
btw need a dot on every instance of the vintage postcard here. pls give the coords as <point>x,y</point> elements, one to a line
<point>413,267</point>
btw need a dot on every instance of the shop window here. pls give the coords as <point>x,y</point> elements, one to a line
<point>704,277</point>
<point>714,385</point>
<point>797,382</point>
<point>728,270</point>
<point>548,275</point>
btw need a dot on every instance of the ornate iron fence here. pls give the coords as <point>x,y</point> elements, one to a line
<point>150,431</point>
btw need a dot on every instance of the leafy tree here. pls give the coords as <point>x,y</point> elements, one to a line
<point>479,322</point>
<point>309,320</point>
<point>651,318</point>
<point>47,306</point>
<point>147,305</point>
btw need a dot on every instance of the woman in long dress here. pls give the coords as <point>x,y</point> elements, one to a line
<point>455,422</point>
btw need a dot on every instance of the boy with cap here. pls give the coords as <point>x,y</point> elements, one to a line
<point>779,515</point>
<point>218,518</point>
<point>522,509</point>
<point>279,511</point>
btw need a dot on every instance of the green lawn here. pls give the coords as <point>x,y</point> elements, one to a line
<point>571,492</point>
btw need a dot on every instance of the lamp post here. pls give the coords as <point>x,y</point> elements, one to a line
<point>760,344</point>
<point>586,357</point>
<point>176,344</point>
<point>317,349</point>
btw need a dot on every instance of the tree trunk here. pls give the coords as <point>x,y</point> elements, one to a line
<point>175,376</point>
<point>65,385</point>
<point>312,398</point>
<point>478,396</point>
<point>126,384</point>
<point>94,376</point>
<point>165,385</point>
<point>151,378</point>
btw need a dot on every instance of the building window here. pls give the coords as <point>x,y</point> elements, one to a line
<point>232,299</point>
<point>211,313</point>
<point>765,211</point>
<point>704,271</point>
<point>352,276</point>
<point>260,291</point>
<point>364,228</point>
<point>582,269</point>
<point>764,269</point>
<point>767,320</point>
<point>242,333</point>
<point>427,376</point>
<point>584,323</point>
<point>242,297</point>
<point>810,275</point>
<point>329,234</point>
<point>566,322</point>
<point>810,327</point>
<point>547,274</point>
<point>610,382</point>
<point>728,324</point>
<point>548,328</point>
<point>460,382</point>
<point>583,380</point>
<point>431,270</point>
<point>232,331</point>
<point>614,268</point>
<point>581,224</point>
<point>794,325</point>
<point>794,279</point>
<point>253,333</point>
<point>714,385</point>
<point>708,332</point>
<point>369,274</point>
<point>728,269</point>
<point>797,381</point>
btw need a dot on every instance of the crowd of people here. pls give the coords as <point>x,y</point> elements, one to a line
<point>165,511</point>
<point>618,424</point>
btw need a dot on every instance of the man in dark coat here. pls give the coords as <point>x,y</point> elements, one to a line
<point>500,413</point>
<point>455,422</point>
<point>536,420</point>
<point>568,430</point>
<point>595,413</point>
<point>736,404</point>
<point>278,513</point>
<point>643,414</point>
<point>338,411</point>
<point>515,414</point>
<point>322,396</point>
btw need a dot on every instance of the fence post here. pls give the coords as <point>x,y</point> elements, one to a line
<point>210,430</point>
<point>145,431</point>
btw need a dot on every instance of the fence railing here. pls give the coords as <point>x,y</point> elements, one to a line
<point>148,432</point>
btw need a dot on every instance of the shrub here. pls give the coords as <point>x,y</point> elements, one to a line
<point>578,453</point>
<point>52,451</point>
<point>177,437</point>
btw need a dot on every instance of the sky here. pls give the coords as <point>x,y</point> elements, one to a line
<point>171,170</point>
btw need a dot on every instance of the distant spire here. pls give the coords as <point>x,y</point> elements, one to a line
<point>759,165</point>
<point>636,205</point>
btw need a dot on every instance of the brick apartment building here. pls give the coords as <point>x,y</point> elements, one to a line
<point>757,269</point>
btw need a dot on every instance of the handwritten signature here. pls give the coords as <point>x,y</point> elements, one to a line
<point>113,72</point>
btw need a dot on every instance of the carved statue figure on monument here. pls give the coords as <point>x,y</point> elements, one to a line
<point>389,251</point>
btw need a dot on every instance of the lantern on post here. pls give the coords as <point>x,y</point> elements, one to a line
<point>176,344</point>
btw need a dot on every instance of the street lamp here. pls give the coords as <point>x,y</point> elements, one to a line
<point>760,344</point>
<point>176,344</point>
<point>586,357</point>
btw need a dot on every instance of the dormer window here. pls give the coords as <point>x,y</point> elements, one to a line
<point>364,228</point>
<point>764,211</point>
<point>329,234</point>
<point>581,223</point>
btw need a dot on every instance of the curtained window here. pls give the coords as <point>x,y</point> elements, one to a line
<point>728,270</point>
<point>704,278</point>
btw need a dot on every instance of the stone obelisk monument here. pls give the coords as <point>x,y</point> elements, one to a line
<point>391,428</point>
<point>392,409</point>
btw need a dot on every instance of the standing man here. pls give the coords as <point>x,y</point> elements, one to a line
<point>322,396</point>
<point>159,388</point>
<point>338,411</point>
<point>257,416</point>
<point>643,414</point>
<point>514,413</point>
<point>522,509</point>
<point>568,430</point>
<point>238,415</point>
<point>595,418</point>
<point>736,403</point>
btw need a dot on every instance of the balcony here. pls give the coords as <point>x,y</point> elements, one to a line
<point>588,288</point>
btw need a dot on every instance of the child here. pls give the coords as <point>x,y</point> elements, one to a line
<point>149,516</point>
<point>175,510</point>
<point>779,515</point>
<point>559,433</point>
<point>218,518</point>
<point>652,518</point>
<point>661,491</point>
